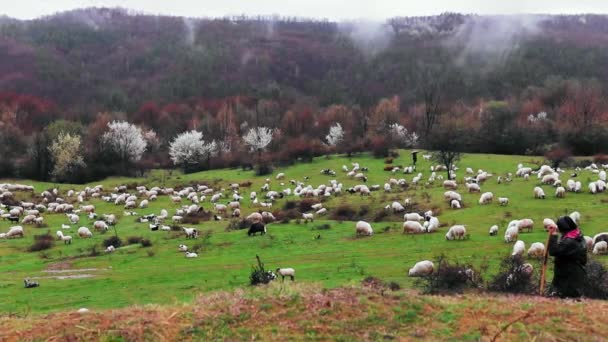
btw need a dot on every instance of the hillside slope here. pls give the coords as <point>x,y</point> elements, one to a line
<point>295,311</point>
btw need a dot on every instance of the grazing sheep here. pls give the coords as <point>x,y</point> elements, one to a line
<point>421,269</point>
<point>457,232</point>
<point>539,193</point>
<point>236,213</point>
<point>525,224</point>
<point>575,216</point>
<point>84,232</point>
<point>600,248</point>
<point>363,228</point>
<point>455,204</point>
<point>143,204</point>
<point>191,233</point>
<point>560,192</point>
<point>412,227</point>
<point>65,238</point>
<point>412,217</point>
<point>321,211</point>
<point>191,255</point>
<point>494,230</point>
<point>177,219</point>
<point>254,218</point>
<point>431,225</point>
<point>511,234</point>
<point>100,225</point>
<point>182,248</point>
<point>14,231</point>
<point>518,248</point>
<point>536,250</point>
<point>600,237</point>
<point>110,249</point>
<point>503,201</point>
<point>257,227</point>
<point>486,198</point>
<point>308,217</point>
<point>589,241</point>
<point>28,219</point>
<point>450,185</point>
<point>287,272</point>
<point>473,187</point>
<point>452,195</point>
<point>592,188</point>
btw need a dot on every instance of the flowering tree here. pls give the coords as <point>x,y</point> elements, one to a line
<point>335,136</point>
<point>402,136</point>
<point>67,156</point>
<point>189,148</point>
<point>258,138</point>
<point>125,140</point>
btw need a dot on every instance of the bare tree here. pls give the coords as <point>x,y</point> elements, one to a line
<point>448,140</point>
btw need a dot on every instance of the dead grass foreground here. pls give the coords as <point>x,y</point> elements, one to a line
<point>292,311</point>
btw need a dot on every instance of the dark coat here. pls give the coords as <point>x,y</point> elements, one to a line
<point>570,260</point>
<point>256,228</point>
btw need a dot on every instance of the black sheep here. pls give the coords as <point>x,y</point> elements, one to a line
<point>257,228</point>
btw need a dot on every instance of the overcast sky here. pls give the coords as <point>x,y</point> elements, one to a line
<point>331,9</point>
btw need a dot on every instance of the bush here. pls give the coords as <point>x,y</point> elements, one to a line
<point>324,226</point>
<point>132,240</point>
<point>344,212</point>
<point>364,210</point>
<point>380,215</point>
<point>512,277</point>
<point>237,225</point>
<point>379,284</point>
<point>600,158</point>
<point>112,241</point>
<point>290,205</point>
<point>42,242</point>
<point>245,184</point>
<point>388,160</point>
<point>596,285</point>
<point>388,167</point>
<point>306,204</point>
<point>285,215</point>
<point>450,277</point>
<point>259,275</point>
<point>263,168</point>
<point>146,243</point>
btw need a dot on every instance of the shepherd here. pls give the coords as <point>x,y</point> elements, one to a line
<point>414,157</point>
<point>570,253</point>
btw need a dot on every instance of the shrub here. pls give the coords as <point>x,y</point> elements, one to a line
<point>344,212</point>
<point>379,146</point>
<point>512,277</point>
<point>132,240</point>
<point>150,252</point>
<point>237,225</point>
<point>388,160</point>
<point>245,184</point>
<point>263,168</point>
<point>285,215</point>
<point>364,210</point>
<point>388,167</point>
<point>306,204</point>
<point>112,241</point>
<point>290,205</point>
<point>42,242</point>
<point>146,243</point>
<point>380,215</point>
<point>450,277</point>
<point>378,284</point>
<point>596,285</point>
<point>324,226</point>
<point>600,158</point>
<point>259,275</point>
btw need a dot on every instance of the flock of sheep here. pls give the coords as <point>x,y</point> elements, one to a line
<point>227,202</point>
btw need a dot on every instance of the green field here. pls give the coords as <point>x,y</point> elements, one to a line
<point>160,274</point>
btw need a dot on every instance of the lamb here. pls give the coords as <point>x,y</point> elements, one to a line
<point>537,250</point>
<point>600,248</point>
<point>65,238</point>
<point>494,230</point>
<point>421,269</point>
<point>412,217</point>
<point>412,227</point>
<point>100,225</point>
<point>539,193</point>
<point>397,207</point>
<point>308,217</point>
<point>191,233</point>
<point>455,204</point>
<point>511,234</point>
<point>286,272</point>
<point>457,232</point>
<point>191,255</point>
<point>486,198</point>
<point>220,208</point>
<point>525,224</point>
<point>570,185</point>
<point>363,228</point>
<point>84,232</point>
<point>560,192</point>
<point>503,201</point>
<point>431,225</point>
<point>518,248</point>
<point>14,231</point>
<point>578,186</point>
<point>182,248</point>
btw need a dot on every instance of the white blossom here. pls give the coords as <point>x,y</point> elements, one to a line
<point>67,155</point>
<point>190,148</point>
<point>542,116</point>
<point>125,139</point>
<point>402,135</point>
<point>336,135</point>
<point>258,138</point>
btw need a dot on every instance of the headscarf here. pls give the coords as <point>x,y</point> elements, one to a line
<point>568,228</point>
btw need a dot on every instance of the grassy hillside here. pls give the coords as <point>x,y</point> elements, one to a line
<point>160,274</point>
<point>304,312</point>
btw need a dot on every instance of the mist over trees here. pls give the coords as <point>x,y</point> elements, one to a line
<point>524,84</point>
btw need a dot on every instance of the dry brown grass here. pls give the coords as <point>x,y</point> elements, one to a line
<point>287,311</point>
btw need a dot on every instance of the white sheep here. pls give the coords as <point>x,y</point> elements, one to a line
<point>363,228</point>
<point>592,188</point>
<point>110,249</point>
<point>503,201</point>
<point>525,224</point>
<point>560,192</point>
<point>457,232</point>
<point>473,187</point>
<point>536,250</point>
<point>511,234</point>
<point>486,198</point>
<point>191,255</point>
<point>412,217</point>
<point>191,233</point>
<point>455,204</point>
<point>143,204</point>
<point>321,211</point>
<point>539,193</point>
<point>431,225</point>
<point>65,238</point>
<point>518,248</point>
<point>15,231</point>
<point>412,227</point>
<point>600,248</point>
<point>450,185</point>
<point>100,225</point>
<point>182,248</point>
<point>177,219</point>
<point>308,217</point>
<point>84,232</point>
<point>575,216</point>
<point>421,269</point>
<point>287,272</point>
<point>547,222</point>
<point>494,230</point>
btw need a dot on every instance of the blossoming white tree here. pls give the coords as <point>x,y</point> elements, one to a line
<point>402,136</point>
<point>124,139</point>
<point>258,138</point>
<point>67,156</point>
<point>335,136</point>
<point>190,148</point>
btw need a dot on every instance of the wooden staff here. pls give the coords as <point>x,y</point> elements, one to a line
<point>543,271</point>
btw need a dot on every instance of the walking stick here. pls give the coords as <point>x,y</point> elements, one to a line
<point>543,271</point>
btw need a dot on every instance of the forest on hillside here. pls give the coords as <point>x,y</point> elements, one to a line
<point>71,83</point>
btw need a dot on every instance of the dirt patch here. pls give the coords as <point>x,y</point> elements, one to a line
<point>74,270</point>
<point>63,265</point>
<point>69,276</point>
